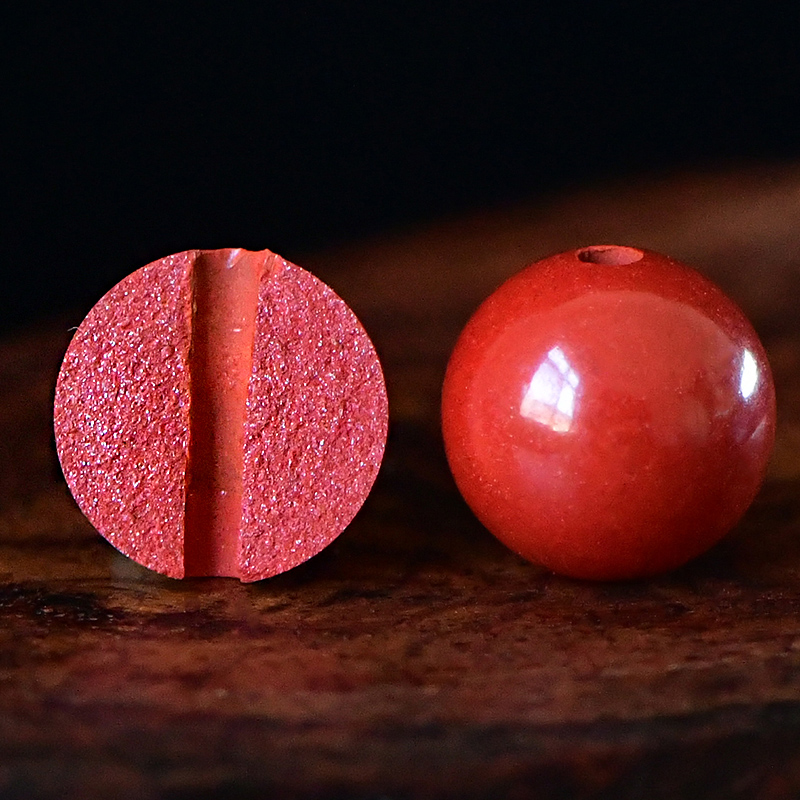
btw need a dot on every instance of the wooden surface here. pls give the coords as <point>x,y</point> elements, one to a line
<point>416,657</point>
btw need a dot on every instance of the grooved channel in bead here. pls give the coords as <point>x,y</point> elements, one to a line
<point>610,255</point>
<point>225,287</point>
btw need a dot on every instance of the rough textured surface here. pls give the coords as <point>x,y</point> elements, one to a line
<point>314,413</point>
<point>316,423</point>
<point>122,413</point>
<point>416,657</point>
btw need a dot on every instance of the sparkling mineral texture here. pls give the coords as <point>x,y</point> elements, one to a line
<point>220,413</point>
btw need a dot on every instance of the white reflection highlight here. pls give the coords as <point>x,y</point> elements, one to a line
<point>748,377</point>
<point>550,396</point>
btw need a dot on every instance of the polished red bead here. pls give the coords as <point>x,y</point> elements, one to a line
<point>608,413</point>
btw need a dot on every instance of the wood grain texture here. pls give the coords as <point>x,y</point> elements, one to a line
<point>416,657</point>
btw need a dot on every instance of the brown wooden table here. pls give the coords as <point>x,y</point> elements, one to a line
<point>416,657</point>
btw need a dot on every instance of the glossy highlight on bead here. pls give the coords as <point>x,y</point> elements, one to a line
<point>609,413</point>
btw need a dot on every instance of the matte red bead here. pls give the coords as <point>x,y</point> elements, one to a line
<point>608,413</point>
<point>220,412</point>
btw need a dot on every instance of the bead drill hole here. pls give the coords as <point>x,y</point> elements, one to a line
<point>610,256</point>
<point>225,296</point>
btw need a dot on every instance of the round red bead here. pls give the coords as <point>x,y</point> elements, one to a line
<point>608,413</point>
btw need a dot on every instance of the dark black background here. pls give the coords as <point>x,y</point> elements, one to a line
<point>128,135</point>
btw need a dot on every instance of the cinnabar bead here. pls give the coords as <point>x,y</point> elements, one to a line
<point>220,413</point>
<point>609,413</point>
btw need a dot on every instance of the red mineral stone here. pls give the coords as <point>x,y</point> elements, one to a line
<point>220,413</point>
<point>609,413</point>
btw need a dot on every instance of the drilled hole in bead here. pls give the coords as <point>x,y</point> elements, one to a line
<point>610,255</point>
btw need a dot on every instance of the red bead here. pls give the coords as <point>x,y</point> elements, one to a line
<point>608,413</point>
<point>220,412</point>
